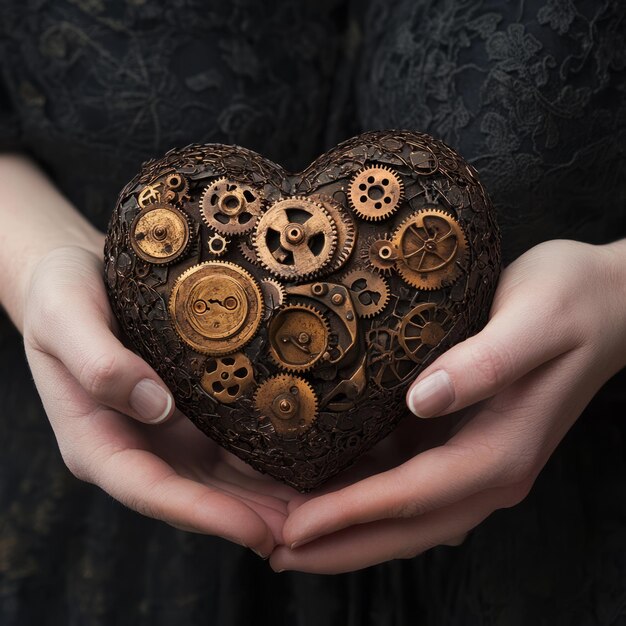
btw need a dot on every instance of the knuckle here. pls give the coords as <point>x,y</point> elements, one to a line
<point>490,363</point>
<point>98,374</point>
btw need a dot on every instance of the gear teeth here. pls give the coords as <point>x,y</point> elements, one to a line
<point>282,385</point>
<point>370,258</point>
<point>263,254</point>
<point>228,228</point>
<point>247,251</point>
<point>451,271</point>
<point>298,306</point>
<point>366,212</point>
<point>379,285</point>
<point>213,240</point>
<point>279,289</point>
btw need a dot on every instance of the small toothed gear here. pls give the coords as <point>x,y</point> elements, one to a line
<point>423,328</point>
<point>230,207</point>
<point>150,194</point>
<point>288,402</point>
<point>247,250</point>
<point>369,292</point>
<point>346,232</point>
<point>295,238</point>
<point>381,254</point>
<point>298,336</point>
<point>160,233</point>
<point>227,378</point>
<point>174,187</point>
<point>375,192</point>
<point>432,249</point>
<point>274,295</point>
<point>217,244</point>
<point>216,307</point>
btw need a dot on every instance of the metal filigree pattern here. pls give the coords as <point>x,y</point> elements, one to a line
<point>334,288</point>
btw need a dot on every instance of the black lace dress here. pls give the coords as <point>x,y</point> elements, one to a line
<point>532,92</point>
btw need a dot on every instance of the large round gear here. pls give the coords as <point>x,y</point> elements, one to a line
<point>229,377</point>
<point>230,207</point>
<point>432,249</point>
<point>369,292</point>
<point>289,403</point>
<point>423,328</point>
<point>160,233</point>
<point>295,238</point>
<point>380,252</point>
<point>216,307</point>
<point>346,232</point>
<point>375,192</point>
<point>298,337</point>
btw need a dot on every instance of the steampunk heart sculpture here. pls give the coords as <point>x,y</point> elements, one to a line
<point>288,313</point>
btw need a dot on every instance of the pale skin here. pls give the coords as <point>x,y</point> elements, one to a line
<point>518,386</point>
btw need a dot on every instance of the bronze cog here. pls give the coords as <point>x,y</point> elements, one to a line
<point>369,292</point>
<point>346,232</point>
<point>160,233</point>
<point>298,337</point>
<point>375,192</point>
<point>217,244</point>
<point>381,254</point>
<point>289,403</point>
<point>216,307</point>
<point>230,207</point>
<point>273,295</point>
<point>432,249</point>
<point>247,251</point>
<point>227,378</point>
<point>423,328</point>
<point>295,238</point>
<point>170,188</point>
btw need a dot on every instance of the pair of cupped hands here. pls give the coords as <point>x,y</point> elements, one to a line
<point>492,409</point>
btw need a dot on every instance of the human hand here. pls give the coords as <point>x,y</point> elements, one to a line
<point>157,463</point>
<point>557,332</point>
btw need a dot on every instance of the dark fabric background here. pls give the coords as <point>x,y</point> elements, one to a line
<point>531,92</point>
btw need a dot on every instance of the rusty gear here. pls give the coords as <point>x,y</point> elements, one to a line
<point>289,403</point>
<point>423,328</point>
<point>217,244</point>
<point>388,364</point>
<point>369,292</point>
<point>247,251</point>
<point>375,192</point>
<point>273,295</point>
<point>295,238</point>
<point>160,233</point>
<point>381,254</point>
<point>172,187</point>
<point>230,207</point>
<point>298,337</point>
<point>227,378</point>
<point>432,249</point>
<point>346,232</point>
<point>216,307</point>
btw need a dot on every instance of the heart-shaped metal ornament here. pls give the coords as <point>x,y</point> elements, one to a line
<point>288,313</point>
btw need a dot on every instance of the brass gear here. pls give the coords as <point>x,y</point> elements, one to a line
<point>230,207</point>
<point>247,251</point>
<point>295,238</point>
<point>298,337</point>
<point>217,244</point>
<point>227,378</point>
<point>346,231</point>
<point>369,292</point>
<point>289,403</point>
<point>216,307</point>
<point>381,254</point>
<point>432,249</point>
<point>172,187</point>
<point>423,328</point>
<point>375,192</point>
<point>273,295</point>
<point>160,233</point>
<point>150,194</point>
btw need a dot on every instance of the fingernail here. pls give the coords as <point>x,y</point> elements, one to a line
<point>150,401</point>
<point>432,395</point>
<point>260,554</point>
<point>278,571</point>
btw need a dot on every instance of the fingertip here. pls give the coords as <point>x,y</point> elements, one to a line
<point>431,395</point>
<point>151,402</point>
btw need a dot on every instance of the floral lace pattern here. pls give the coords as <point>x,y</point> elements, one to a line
<point>531,92</point>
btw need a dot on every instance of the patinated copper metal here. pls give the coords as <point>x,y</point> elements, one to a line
<point>288,313</point>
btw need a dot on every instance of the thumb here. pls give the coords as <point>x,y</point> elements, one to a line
<point>79,334</point>
<point>513,343</point>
